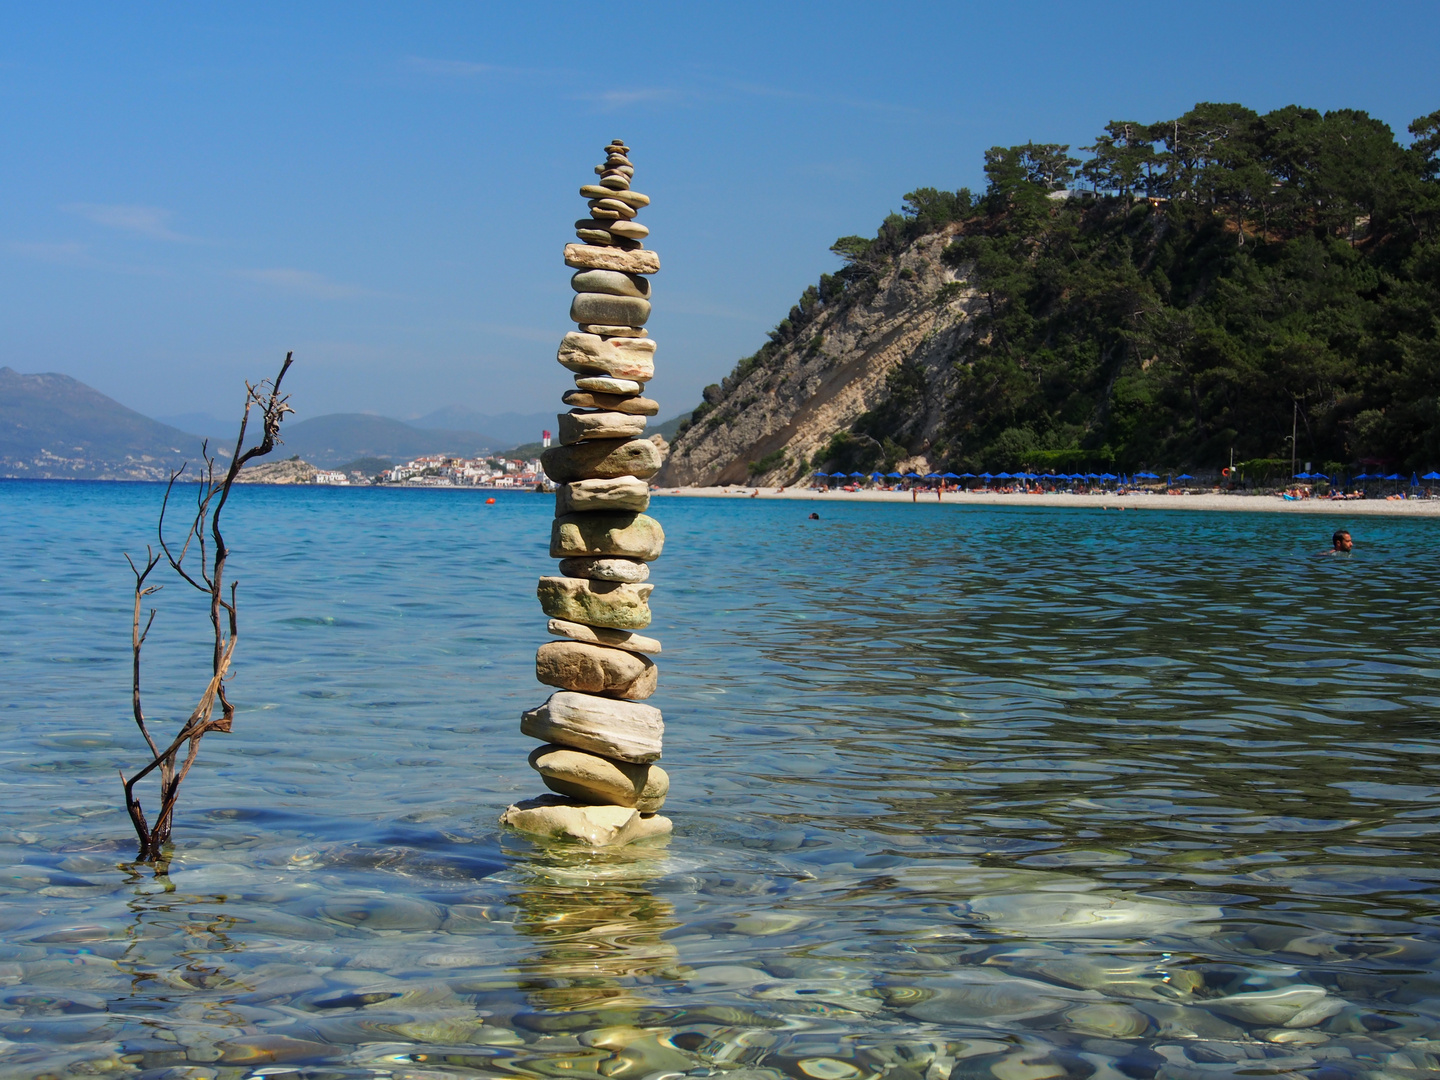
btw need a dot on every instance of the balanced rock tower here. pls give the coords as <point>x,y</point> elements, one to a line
<point>599,740</point>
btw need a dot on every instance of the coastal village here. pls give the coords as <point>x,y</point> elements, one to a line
<point>438,470</point>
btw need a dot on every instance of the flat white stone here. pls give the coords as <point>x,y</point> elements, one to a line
<point>604,635</point>
<point>623,730</point>
<point>558,818</point>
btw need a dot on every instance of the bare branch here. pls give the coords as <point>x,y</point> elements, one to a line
<point>211,495</point>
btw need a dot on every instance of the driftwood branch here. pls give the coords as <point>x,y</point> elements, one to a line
<point>212,493</point>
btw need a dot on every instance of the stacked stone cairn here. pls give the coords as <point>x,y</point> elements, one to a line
<point>600,741</point>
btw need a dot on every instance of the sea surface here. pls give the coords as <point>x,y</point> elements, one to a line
<point>958,792</point>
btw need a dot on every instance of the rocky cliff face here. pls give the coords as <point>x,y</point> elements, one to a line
<point>872,361</point>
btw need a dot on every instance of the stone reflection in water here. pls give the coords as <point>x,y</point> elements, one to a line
<point>599,937</point>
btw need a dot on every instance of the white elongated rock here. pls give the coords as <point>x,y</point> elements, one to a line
<point>578,426</point>
<point>602,569</point>
<point>611,281</point>
<point>623,730</point>
<point>604,384</point>
<point>617,357</point>
<point>557,818</point>
<point>613,331</point>
<point>604,635</point>
<point>588,257</point>
<point>613,493</point>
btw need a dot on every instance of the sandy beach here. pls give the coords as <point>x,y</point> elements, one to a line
<point>1107,501</point>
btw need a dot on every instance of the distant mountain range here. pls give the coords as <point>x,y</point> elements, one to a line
<point>53,426</point>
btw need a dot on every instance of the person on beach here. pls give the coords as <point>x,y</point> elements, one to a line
<point>1341,544</point>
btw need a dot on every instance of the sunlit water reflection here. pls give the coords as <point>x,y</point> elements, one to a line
<point>958,793</point>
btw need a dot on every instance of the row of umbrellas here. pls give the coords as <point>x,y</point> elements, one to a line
<point>1103,477</point>
<point>1414,478</point>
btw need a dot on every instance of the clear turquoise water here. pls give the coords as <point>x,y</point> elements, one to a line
<point>958,792</point>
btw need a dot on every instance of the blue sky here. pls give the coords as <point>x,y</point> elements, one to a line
<point>186,191</point>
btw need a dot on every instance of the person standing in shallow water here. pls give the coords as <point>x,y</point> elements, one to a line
<point>1340,544</point>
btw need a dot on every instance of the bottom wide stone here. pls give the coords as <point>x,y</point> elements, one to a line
<point>599,826</point>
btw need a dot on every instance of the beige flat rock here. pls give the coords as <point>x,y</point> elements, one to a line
<point>604,384</point>
<point>613,493</point>
<point>604,635</point>
<point>612,282</point>
<point>617,357</point>
<point>576,427</point>
<point>589,399</point>
<point>585,257</point>
<point>623,730</point>
<point>614,331</point>
<point>594,779</point>
<point>595,669</point>
<point>601,459</point>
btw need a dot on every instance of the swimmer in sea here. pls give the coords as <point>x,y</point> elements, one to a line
<point>1341,544</point>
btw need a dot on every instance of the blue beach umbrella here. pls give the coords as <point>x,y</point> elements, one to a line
<point>913,476</point>
<point>839,475</point>
<point>968,476</point>
<point>1148,475</point>
<point>949,476</point>
<point>1431,475</point>
<point>932,476</point>
<point>1184,476</point>
<point>857,476</point>
<point>877,476</point>
<point>893,476</point>
<point>1393,476</point>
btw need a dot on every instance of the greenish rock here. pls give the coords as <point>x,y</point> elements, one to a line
<point>613,533</point>
<point>616,604</point>
<point>611,282</point>
<point>601,308</point>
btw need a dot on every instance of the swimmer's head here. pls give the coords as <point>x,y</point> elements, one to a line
<point>1342,541</point>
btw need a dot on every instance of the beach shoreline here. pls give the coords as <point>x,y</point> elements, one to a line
<point>1264,504</point>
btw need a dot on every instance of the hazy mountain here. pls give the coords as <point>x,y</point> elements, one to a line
<point>219,432</point>
<point>510,429</point>
<point>55,426</point>
<point>338,438</point>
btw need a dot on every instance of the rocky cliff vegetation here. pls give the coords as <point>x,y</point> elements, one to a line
<point>1192,293</point>
<point>859,372</point>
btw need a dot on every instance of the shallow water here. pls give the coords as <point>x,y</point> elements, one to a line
<point>1004,792</point>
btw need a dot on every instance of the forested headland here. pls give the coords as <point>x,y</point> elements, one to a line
<point>1175,293</point>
